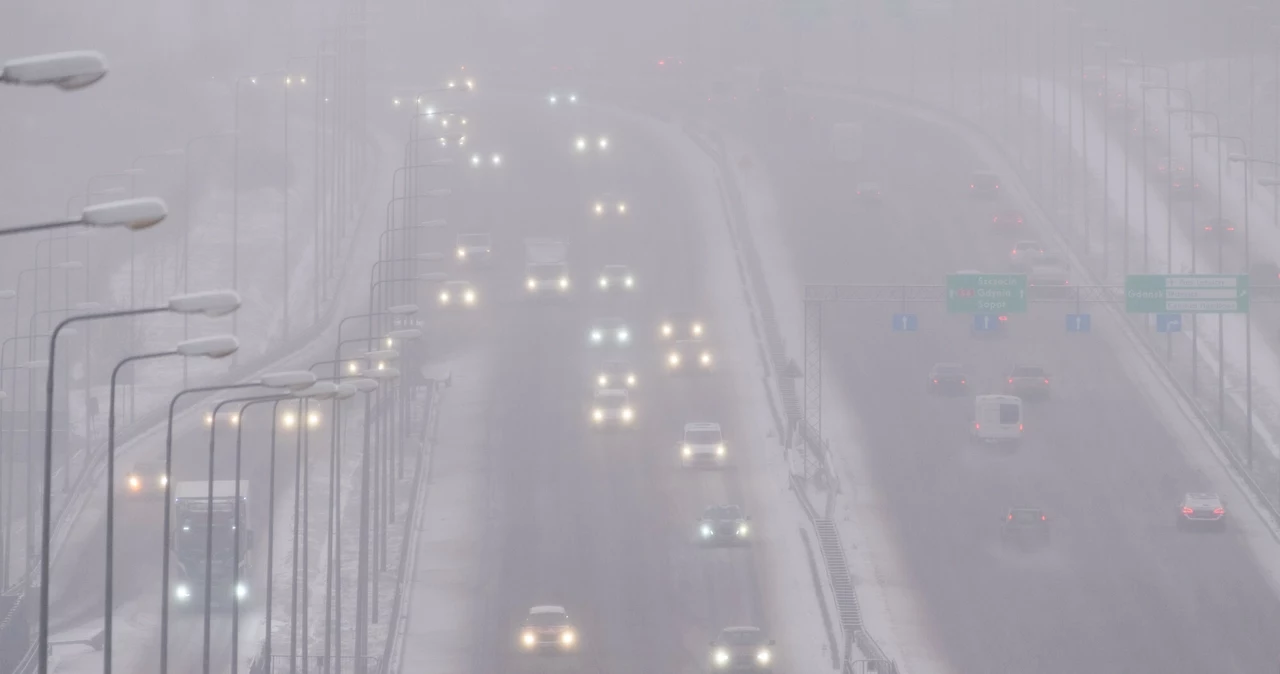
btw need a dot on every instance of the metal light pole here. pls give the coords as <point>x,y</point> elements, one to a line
<point>187,226</point>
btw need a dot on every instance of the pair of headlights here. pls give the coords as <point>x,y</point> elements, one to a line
<point>183,592</point>
<point>721,657</point>
<point>468,297</point>
<point>627,414</point>
<point>567,638</point>
<point>708,532</point>
<point>687,451</point>
<point>674,359</point>
<point>603,380</point>
<point>563,283</point>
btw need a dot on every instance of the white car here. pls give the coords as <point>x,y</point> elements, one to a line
<point>474,248</point>
<point>616,277</point>
<point>609,205</point>
<point>458,294</point>
<point>997,419</point>
<point>702,444</point>
<point>610,331</point>
<point>1049,270</point>
<point>612,408</point>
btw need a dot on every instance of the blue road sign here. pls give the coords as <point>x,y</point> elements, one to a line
<point>1078,323</point>
<point>1168,322</point>
<point>905,322</point>
<point>986,322</point>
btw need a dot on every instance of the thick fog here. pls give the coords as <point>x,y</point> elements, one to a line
<point>531,336</point>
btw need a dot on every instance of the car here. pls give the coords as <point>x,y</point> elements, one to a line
<point>611,408</point>
<point>689,356</point>
<point>1185,189</point>
<point>742,649</point>
<point>1025,527</point>
<point>616,374</point>
<point>562,98</point>
<point>1119,106</point>
<point>1222,228</point>
<point>724,524</point>
<point>1163,164</point>
<point>610,331</point>
<point>474,248</point>
<point>458,294</point>
<point>702,444</point>
<point>1027,381</point>
<point>682,325</point>
<point>984,184</point>
<point>616,277</point>
<point>1024,254</point>
<point>1048,270</point>
<point>1202,510</point>
<point>548,629</point>
<point>1009,218</point>
<point>609,205</point>
<point>869,191</point>
<point>948,379</point>
<point>1151,130</point>
<point>584,144</point>
<point>147,480</point>
<point>997,419</point>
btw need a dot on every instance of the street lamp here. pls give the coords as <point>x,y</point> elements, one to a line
<point>187,226</point>
<point>65,70</point>
<point>211,304</point>
<point>289,380</point>
<point>210,347</point>
<point>319,391</point>
<point>134,214</point>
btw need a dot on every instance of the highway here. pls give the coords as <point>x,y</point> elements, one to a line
<point>600,522</point>
<point>1119,589</point>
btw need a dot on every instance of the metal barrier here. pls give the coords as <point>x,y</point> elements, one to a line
<point>320,664</point>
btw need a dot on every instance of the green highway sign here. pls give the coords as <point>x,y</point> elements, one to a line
<point>1186,294</point>
<point>987,293</point>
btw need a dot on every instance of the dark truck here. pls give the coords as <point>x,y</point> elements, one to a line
<point>229,567</point>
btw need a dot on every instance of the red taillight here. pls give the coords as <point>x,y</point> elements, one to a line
<point>1019,427</point>
<point>970,185</point>
<point>1019,219</point>
<point>1010,380</point>
<point>1010,517</point>
<point>935,381</point>
<point>962,381</point>
<point>662,63</point>
<point>997,187</point>
<point>1231,229</point>
<point>1219,511</point>
<point>1207,228</point>
<point>1015,251</point>
<point>1187,511</point>
<point>1002,318</point>
<point>1046,381</point>
<point>1043,518</point>
<point>977,426</point>
<point>996,219</point>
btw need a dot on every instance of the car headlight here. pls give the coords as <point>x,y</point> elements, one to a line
<point>631,380</point>
<point>604,282</point>
<point>764,656</point>
<point>686,450</point>
<point>596,336</point>
<point>603,143</point>
<point>134,483</point>
<point>697,329</point>
<point>627,414</point>
<point>444,298</point>
<point>673,359</point>
<point>623,335</point>
<point>666,329</point>
<point>705,358</point>
<point>462,253</point>
<point>241,591</point>
<point>580,144</point>
<point>567,637</point>
<point>208,419</point>
<point>531,284</point>
<point>719,450</point>
<point>469,297</point>
<point>622,209</point>
<point>573,98</point>
<point>706,531</point>
<point>182,592</point>
<point>552,99</point>
<point>599,209</point>
<point>602,381</point>
<point>628,282</point>
<point>475,160</point>
<point>564,282</point>
<point>164,480</point>
<point>721,656</point>
<point>597,414</point>
<point>528,638</point>
<point>743,530</point>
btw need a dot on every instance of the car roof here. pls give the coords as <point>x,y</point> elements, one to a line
<point>725,506</point>
<point>546,609</point>
<point>1203,497</point>
<point>701,426</point>
<point>740,629</point>
<point>991,174</point>
<point>1024,366</point>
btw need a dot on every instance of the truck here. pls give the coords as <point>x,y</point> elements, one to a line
<point>229,567</point>
<point>546,267</point>
<point>846,142</point>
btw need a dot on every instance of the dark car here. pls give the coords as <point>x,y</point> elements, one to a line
<point>1025,527</point>
<point>741,649</point>
<point>146,480</point>
<point>948,379</point>
<point>984,184</point>
<point>724,525</point>
<point>1201,510</point>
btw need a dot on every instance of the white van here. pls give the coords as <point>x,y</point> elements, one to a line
<point>997,418</point>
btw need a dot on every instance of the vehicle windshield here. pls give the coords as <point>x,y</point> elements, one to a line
<point>547,619</point>
<point>473,240</point>
<point>702,437</point>
<point>741,638</point>
<point>547,272</point>
<point>191,535</point>
<point>611,401</point>
<point>1010,413</point>
<point>728,512</point>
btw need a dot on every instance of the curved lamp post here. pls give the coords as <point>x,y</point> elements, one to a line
<point>133,214</point>
<point>68,71</point>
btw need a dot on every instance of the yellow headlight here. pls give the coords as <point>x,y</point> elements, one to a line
<point>462,254</point>
<point>289,420</point>
<point>564,282</point>
<point>597,414</point>
<point>719,450</point>
<point>528,638</point>
<point>686,450</point>
<point>673,359</point>
<point>568,637</point>
<point>531,284</point>
<point>470,297</point>
<point>697,329</point>
<point>602,381</point>
<point>764,656</point>
<point>164,480</point>
<point>313,419</point>
<point>627,414</point>
<point>666,329</point>
<point>706,359</point>
<point>134,483</point>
